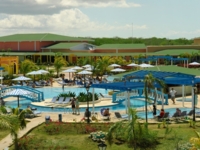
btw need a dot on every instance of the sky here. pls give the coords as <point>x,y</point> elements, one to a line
<point>102,18</point>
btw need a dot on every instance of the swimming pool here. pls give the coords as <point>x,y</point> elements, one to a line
<point>51,92</point>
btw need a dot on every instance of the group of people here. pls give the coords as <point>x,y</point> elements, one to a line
<point>75,106</point>
<point>162,113</point>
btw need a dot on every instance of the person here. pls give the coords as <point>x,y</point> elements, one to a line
<point>154,110</point>
<point>73,105</point>
<point>87,114</point>
<point>178,111</point>
<point>173,94</point>
<point>106,112</point>
<point>162,113</point>
<point>77,106</point>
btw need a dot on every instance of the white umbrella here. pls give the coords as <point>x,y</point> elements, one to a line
<point>77,68</point>
<point>114,65</point>
<point>145,65</point>
<point>89,69</point>
<point>69,70</point>
<point>118,70</point>
<point>133,65</point>
<point>87,66</point>
<point>21,78</point>
<point>34,73</point>
<point>84,72</point>
<point>194,63</point>
<point>43,71</point>
<point>18,93</point>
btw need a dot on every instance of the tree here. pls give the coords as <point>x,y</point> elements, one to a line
<point>132,132</point>
<point>149,82</point>
<point>27,66</point>
<point>59,62</point>
<point>13,122</point>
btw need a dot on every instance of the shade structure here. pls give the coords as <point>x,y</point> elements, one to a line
<point>43,71</point>
<point>118,70</point>
<point>145,65</point>
<point>114,65</point>
<point>77,68</point>
<point>84,72</point>
<point>18,93</point>
<point>88,69</point>
<point>69,70</point>
<point>87,66</point>
<point>194,64</point>
<point>34,73</point>
<point>132,65</point>
<point>21,78</point>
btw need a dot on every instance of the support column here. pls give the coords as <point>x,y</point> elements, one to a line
<point>162,94</point>
<point>183,95</point>
<point>93,101</point>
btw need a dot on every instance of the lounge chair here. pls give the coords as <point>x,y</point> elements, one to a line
<point>60,100</point>
<point>67,100</point>
<point>183,114</point>
<point>166,116</point>
<point>190,113</point>
<point>175,116</point>
<point>54,99</point>
<point>119,116</point>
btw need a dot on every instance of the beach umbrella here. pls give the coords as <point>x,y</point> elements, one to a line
<point>114,65</point>
<point>118,70</point>
<point>132,65</point>
<point>87,66</point>
<point>84,72</point>
<point>77,68</point>
<point>194,64</point>
<point>21,78</point>
<point>18,93</point>
<point>34,73</point>
<point>146,65</point>
<point>71,70</point>
<point>43,71</point>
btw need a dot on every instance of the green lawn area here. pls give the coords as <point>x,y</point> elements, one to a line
<point>3,133</point>
<point>75,136</point>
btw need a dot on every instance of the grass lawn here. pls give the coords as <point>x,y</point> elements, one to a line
<point>75,136</point>
<point>3,133</point>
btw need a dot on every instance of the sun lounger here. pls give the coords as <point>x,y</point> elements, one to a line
<point>119,116</point>
<point>166,116</point>
<point>67,100</point>
<point>60,100</point>
<point>54,99</point>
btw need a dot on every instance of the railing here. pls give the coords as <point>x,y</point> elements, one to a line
<point>139,93</point>
<point>35,95</point>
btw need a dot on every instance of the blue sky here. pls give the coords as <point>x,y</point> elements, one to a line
<point>102,18</point>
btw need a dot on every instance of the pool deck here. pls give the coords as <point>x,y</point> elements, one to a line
<point>69,117</point>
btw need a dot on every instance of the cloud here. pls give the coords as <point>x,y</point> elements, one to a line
<point>71,22</point>
<point>51,6</point>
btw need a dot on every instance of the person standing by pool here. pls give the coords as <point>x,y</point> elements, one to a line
<point>73,105</point>
<point>77,106</point>
<point>173,94</point>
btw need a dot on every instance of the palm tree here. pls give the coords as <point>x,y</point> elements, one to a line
<point>27,66</point>
<point>59,62</point>
<point>132,132</point>
<point>102,64</point>
<point>149,82</point>
<point>13,122</point>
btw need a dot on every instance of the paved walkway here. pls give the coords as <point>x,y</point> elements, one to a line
<point>68,117</point>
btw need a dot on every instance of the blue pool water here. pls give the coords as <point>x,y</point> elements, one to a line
<point>51,92</point>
